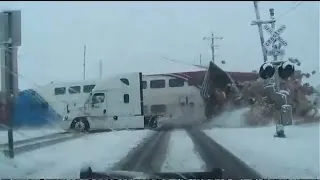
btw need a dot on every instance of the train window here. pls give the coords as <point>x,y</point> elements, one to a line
<point>59,91</point>
<point>126,98</point>
<point>144,84</point>
<point>74,89</point>
<point>125,81</point>
<point>161,83</point>
<point>98,98</point>
<point>161,108</point>
<point>176,82</point>
<point>88,88</point>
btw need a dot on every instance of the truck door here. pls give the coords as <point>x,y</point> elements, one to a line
<point>98,105</point>
<point>126,104</point>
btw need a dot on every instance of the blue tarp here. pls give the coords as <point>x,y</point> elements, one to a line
<point>32,110</point>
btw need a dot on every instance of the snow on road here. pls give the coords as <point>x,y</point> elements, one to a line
<point>181,155</point>
<point>66,159</point>
<point>296,156</point>
<point>22,134</point>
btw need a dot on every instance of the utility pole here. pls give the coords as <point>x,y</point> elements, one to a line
<point>100,69</point>
<point>10,22</point>
<point>259,23</point>
<point>200,60</point>
<point>84,62</point>
<point>212,38</point>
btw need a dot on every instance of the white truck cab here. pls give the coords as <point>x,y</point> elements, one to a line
<point>114,103</point>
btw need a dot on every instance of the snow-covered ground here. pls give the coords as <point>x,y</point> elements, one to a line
<point>181,156</point>
<point>233,119</point>
<point>22,134</point>
<point>66,159</point>
<point>296,156</point>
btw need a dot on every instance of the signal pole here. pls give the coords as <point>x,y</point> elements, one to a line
<point>272,83</point>
<point>10,25</point>
<point>275,48</point>
<point>212,38</point>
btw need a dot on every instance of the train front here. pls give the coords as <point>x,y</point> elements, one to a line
<point>220,88</point>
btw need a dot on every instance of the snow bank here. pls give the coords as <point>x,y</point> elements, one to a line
<point>66,159</point>
<point>177,161</point>
<point>296,156</point>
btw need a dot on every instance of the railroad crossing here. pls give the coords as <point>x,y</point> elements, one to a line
<point>275,35</point>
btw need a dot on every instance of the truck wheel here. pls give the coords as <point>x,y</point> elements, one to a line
<point>154,122</point>
<point>80,125</point>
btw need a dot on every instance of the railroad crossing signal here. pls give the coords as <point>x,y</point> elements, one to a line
<point>276,51</point>
<point>275,35</point>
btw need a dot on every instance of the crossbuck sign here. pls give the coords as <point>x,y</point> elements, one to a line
<point>275,35</point>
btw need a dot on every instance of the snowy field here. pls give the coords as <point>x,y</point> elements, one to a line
<point>181,155</point>
<point>65,159</point>
<point>296,156</point>
<point>22,134</point>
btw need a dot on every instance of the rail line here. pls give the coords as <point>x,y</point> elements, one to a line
<point>216,156</point>
<point>34,139</point>
<point>148,156</point>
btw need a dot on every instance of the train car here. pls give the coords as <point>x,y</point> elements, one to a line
<point>171,95</point>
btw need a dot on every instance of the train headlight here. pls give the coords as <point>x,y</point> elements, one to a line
<point>266,71</point>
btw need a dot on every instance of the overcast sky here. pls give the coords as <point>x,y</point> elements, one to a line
<point>133,36</point>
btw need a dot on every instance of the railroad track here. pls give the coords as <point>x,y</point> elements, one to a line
<point>30,140</point>
<point>216,156</point>
<point>148,156</point>
<point>31,144</point>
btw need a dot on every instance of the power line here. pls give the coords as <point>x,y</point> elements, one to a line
<point>212,38</point>
<point>291,9</point>
<point>184,63</point>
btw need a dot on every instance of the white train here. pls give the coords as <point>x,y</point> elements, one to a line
<point>169,95</point>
